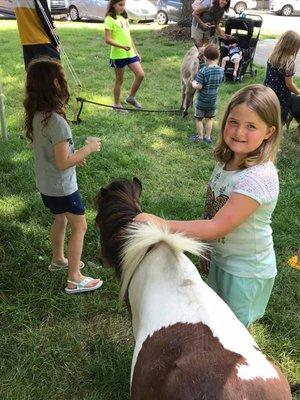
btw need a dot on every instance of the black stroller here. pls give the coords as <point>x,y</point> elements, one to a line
<point>244,31</point>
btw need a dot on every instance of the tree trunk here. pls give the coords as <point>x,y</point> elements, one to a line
<point>186,13</point>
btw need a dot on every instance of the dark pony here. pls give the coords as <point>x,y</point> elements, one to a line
<point>111,11</point>
<point>117,205</point>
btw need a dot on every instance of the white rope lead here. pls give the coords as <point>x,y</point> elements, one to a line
<point>62,50</point>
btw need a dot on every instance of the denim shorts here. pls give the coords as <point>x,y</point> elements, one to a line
<point>122,62</point>
<point>204,113</point>
<point>247,297</point>
<point>59,205</point>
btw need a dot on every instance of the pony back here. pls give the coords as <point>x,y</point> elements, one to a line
<point>139,238</point>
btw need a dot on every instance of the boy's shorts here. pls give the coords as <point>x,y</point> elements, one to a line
<point>72,204</point>
<point>205,113</point>
<point>247,297</point>
<point>122,62</point>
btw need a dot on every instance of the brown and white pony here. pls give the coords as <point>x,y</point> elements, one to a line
<point>188,343</point>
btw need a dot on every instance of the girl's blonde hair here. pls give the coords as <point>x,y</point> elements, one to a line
<point>264,102</point>
<point>286,50</point>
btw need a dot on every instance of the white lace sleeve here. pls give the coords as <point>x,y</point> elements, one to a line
<point>259,182</point>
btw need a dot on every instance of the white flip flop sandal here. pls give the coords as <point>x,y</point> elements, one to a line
<point>82,287</point>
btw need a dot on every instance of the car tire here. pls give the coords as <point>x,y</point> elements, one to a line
<point>239,7</point>
<point>162,18</point>
<point>74,14</point>
<point>287,10</point>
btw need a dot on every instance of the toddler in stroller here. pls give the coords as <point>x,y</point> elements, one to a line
<point>238,47</point>
<point>234,56</point>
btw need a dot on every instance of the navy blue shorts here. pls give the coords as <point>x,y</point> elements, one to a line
<point>122,62</point>
<point>59,205</point>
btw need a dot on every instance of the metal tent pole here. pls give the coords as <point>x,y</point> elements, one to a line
<point>2,115</point>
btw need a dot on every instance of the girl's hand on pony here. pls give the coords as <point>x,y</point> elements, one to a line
<point>144,218</point>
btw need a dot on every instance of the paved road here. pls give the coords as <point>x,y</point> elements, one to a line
<point>273,23</point>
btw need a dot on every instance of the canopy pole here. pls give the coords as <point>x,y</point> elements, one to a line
<point>2,115</point>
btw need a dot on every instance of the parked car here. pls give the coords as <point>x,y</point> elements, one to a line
<point>285,7</point>
<point>242,5</point>
<point>57,7</point>
<point>170,10</point>
<point>138,10</point>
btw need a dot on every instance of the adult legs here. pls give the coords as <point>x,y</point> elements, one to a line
<point>118,85</point>
<point>58,230</point>
<point>198,37</point>
<point>138,71</point>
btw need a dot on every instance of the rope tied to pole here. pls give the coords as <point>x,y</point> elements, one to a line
<point>82,100</point>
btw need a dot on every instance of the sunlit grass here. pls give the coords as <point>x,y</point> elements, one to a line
<point>55,346</point>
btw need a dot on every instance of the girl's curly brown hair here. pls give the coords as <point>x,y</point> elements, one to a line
<point>46,91</point>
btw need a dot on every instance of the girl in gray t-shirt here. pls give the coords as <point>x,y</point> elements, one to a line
<point>55,161</point>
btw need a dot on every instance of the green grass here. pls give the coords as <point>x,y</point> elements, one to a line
<point>60,347</point>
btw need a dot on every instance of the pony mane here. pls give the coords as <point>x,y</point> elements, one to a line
<point>117,205</point>
<point>140,237</point>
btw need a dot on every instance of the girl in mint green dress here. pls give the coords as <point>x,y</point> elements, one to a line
<point>241,198</point>
<point>123,52</point>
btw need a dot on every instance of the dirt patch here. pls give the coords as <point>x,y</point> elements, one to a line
<point>174,32</point>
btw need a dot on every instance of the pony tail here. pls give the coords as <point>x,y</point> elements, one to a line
<point>140,237</point>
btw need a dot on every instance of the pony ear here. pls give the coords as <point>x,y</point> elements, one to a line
<point>103,191</point>
<point>137,187</point>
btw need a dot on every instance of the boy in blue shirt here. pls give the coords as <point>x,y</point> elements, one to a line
<point>207,81</point>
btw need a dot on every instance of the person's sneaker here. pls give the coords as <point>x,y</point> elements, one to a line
<point>196,138</point>
<point>207,140</point>
<point>120,110</point>
<point>131,100</point>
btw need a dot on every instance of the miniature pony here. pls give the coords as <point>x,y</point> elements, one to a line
<point>188,343</point>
